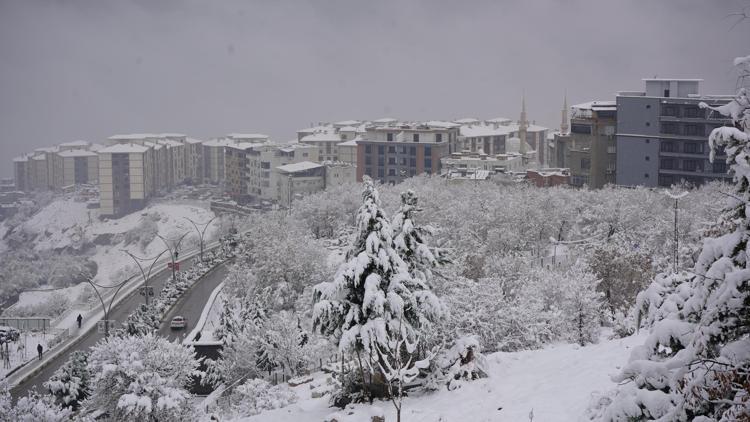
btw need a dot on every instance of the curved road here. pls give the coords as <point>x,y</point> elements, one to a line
<point>190,305</point>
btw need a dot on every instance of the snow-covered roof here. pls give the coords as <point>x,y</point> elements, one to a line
<point>484,130</point>
<point>348,129</point>
<point>132,136</point>
<point>441,124</point>
<point>218,142</point>
<point>76,153</point>
<point>466,120</point>
<point>193,141</point>
<point>321,137</point>
<point>314,129</point>
<point>172,135</point>
<point>247,136</point>
<point>671,80</point>
<point>40,157</point>
<point>301,166</point>
<point>597,105</point>
<point>170,143</point>
<point>21,159</point>
<point>347,123</point>
<point>78,143</point>
<point>123,148</point>
<point>350,143</point>
<point>500,120</point>
<point>47,149</point>
<point>385,120</point>
<point>242,145</point>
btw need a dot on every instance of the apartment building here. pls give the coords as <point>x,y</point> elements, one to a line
<point>236,171</point>
<point>193,161</point>
<point>263,160</point>
<point>468,162</point>
<point>390,153</point>
<point>299,179</point>
<point>53,168</point>
<point>589,149</point>
<point>661,134</point>
<point>79,166</point>
<point>126,178</point>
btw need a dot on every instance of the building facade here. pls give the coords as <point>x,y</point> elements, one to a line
<point>391,154</point>
<point>126,179</point>
<point>662,133</point>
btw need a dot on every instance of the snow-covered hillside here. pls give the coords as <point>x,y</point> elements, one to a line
<point>557,383</point>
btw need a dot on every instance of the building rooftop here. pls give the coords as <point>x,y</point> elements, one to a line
<point>21,159</point>
<point>132,136</point>
<point>466,121</point>
<point>301,166</point>
<point>499,120</point>
<point>77,153</point>
<point>172,135</point>
<point>385,120</point>
<point>471,131</point>
<point>193,141</point>
<point>321,137</point>
<point>441,124</point>
<point>350,143</point>
<point>597,105</point>
<point>671,80</point>
<point>258,136</point>
<point>347,123</point>
<point>123,148</point>
<point>78,143</point>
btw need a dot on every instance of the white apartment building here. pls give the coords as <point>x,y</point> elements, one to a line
<point>299,179</point>
<point>468,162</point>
<point>126,178</point>
<point>263,161</point>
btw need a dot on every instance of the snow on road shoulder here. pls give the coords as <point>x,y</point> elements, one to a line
<point>557,382</point>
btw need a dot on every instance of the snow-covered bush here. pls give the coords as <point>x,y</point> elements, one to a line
<point>31,408</point>
<point>141,378</point>
<point>694,365</point>
<point>581,305</point>
<point>145,232</point>
<point>256,395</point>
<point>463,361</point>
<point>70,384</point>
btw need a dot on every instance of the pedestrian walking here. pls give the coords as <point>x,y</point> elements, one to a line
<point>79,319</point>
<point>39,349</point>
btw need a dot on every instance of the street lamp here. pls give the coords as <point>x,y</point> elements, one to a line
<point>105,308</point>
<point>147,290</point>
<point>676,252</point>
<point>174,249</point>
<point>201,233</point>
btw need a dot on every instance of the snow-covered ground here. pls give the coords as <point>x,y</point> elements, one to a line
<point>24,350</point>
<point>65,221</point>
<point>556,382</point>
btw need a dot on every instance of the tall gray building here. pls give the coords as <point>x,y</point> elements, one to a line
<point>662,134</point>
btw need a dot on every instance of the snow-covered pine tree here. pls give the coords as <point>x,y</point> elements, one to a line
<point>70,383</point>
<point>372,300</point>
<point>410,240</point>
<point>695,364</point>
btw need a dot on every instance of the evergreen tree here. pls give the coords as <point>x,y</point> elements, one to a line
<point>373,300</point>
<point>70,384</point>
<point>582,305</point>
<point>696,360</point>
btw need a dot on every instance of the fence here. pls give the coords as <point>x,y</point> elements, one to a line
<point>26,324</point>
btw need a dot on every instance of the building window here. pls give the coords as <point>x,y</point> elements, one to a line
<point>669,110</point>
<point>693,130</point>
<point>579,128</point>
<point>691,112</point>
<point>667,163</point>
<point>585,163</point>
<point>381,161</point>
<point>427,163</point>
<point>427,151</point>
<point>391,172</point>
<point>669,128</point>
<point>368,160</point>
<point>720,167</point>
<point>666,93</point>
<point>648,124</point>
<point>415,137</point>
<point>648,158</point>
<point>668,146</point>
<point>381,149</point>
<point>391,160</point>
<point>693,148</point>
<point>368,149</point>
<point>412,150</point>
<point>648,141</point>
<point>438,137</point>
<point>391,150</point>
<point>389,137</point>
<point>648,105</point>
<point>381,173</point>
<point>645,175</point>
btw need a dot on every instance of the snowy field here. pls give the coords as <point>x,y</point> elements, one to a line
<point>556,382</point>
<point>24,350</point>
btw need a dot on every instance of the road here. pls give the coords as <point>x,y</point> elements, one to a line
<point>191,303</point>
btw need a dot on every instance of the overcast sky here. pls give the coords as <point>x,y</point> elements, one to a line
<point>89,69</point>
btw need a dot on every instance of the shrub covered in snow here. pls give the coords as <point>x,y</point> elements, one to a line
<point>31,408</point>
<point>463,361</point>
<point>70,384</point>
<point>256,395</point>
<point>141,378</point>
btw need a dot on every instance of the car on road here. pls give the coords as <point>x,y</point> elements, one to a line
<point>178,323</point>
<point>8,334</point>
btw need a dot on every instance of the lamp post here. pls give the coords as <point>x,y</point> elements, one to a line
<point>201,233</point>
<point>105,308</point>
<point>174,249</point>
<point>147,290</point>
<point>676,198</point>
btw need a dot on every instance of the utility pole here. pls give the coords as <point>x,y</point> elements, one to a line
<point>147,290</point>
<point>676,251</point>
<point>201,233</point>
